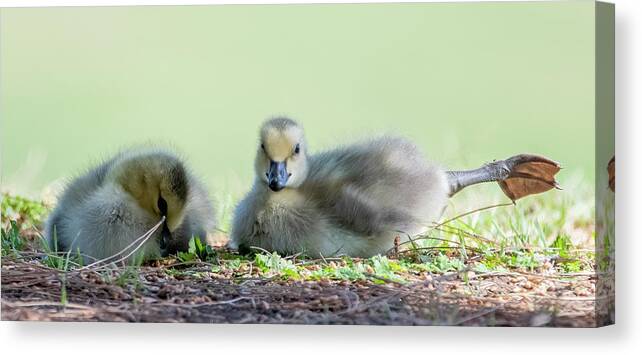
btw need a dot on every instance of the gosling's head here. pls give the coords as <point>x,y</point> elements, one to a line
<point>157,180</point>
<point>281,159</point>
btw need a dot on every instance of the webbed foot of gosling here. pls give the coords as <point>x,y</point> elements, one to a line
<point>527,174</point>
<point>518,176</point>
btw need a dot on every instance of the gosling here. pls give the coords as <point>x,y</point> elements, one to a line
<point>104,211</point>
<point>356,199</point>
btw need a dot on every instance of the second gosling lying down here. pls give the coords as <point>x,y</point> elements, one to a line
<point>355,200</point>
<point>103,211</point>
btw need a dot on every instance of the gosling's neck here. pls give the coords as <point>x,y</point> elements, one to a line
<point>289,197</point>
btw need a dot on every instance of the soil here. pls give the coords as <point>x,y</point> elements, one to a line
<point>33,292</point>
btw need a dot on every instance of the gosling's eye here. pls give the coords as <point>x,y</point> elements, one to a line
<point>263,147</point>
<point>297,149</point>
<point>162,206</point>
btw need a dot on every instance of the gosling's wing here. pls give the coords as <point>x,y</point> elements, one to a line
<point>376,186</point>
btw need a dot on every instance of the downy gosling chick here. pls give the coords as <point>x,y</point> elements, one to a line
<point>105,210</point>
<point>356,199</point>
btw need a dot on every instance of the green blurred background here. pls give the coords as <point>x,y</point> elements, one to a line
<point>468,82</point>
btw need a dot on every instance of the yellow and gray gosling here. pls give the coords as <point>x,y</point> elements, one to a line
<point>356,199</point>
<point>106,209</point>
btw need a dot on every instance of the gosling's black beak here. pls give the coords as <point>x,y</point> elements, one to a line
<point>165,237</point>
<point>277,176</point>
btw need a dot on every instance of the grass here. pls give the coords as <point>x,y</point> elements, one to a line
<point>12,242</point>
<point>509,264</point>
<point>24,212</point>
<point>542,234</point>
<point>196,251</point>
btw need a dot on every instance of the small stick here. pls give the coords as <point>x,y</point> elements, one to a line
<point>436,226</point>
<point>144,239</point>
<point>473,211</point>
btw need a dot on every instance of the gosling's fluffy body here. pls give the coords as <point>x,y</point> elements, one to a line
<point>104,210</point>
<point>353,200</point>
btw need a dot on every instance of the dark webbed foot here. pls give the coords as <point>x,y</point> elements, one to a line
<point>518,176</point>
<point>528,175</point>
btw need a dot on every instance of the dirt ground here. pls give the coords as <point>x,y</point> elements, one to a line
<point>33,292</point>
